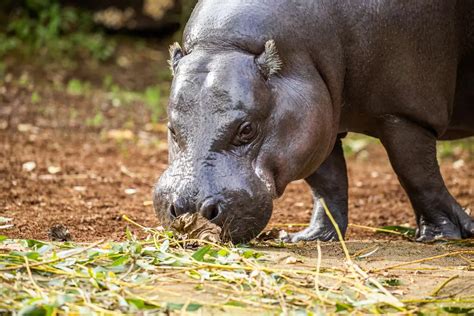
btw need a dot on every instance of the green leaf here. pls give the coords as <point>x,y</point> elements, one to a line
<point>33,255</point>
<point>458,310</point>
<point>201,252</point>
<point>342,307</point>
<point>248,254</point>
<point>32,310</point>
<point>120,260</point>
<point>145,265</point>
<point>49,309</point>
<point>193,307</point>
<point>251,254</point>
<point>189,308</point>
<point>392,282</point>
<point>223,252</point>
<point>3,238</point>
<point>65,298</point>
<point>30,254</point>
<point>140,304</point>
<point>32,243</point>
<point>128,233</point>
<point>235,303</point>
<point>165,245</point>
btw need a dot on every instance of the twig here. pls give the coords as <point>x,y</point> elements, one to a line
<point>391,299</point>
<point>442,285</point>
<point>423,260</point>
<point>375,230</point>
<point>338,231</point>
<point>35,285</point>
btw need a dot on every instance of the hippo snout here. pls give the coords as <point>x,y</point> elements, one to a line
<point>240,205</point>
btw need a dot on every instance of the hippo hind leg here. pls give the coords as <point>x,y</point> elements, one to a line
<point>328,182</point>
<point>412,153</point>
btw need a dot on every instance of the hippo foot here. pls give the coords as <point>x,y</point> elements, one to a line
<point>310,234</point>
<point>444,229</point>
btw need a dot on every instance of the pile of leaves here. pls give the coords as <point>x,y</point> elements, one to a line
<point>163,273</point>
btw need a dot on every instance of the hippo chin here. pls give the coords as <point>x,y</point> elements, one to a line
<point>264,91</point>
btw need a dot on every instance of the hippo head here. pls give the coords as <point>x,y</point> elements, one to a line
<point>230,143</point>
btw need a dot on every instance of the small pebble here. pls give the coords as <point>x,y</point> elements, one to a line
<point>79,188</point>
<point>130,191</point>
<point>458,164</point>
<point>54,169</point>
<point>29,166</point>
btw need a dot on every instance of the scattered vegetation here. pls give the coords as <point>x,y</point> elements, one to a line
<point>163,273</point>
<point>454,149</point>
<point>77,87</point>
<point>96,121</point>
<point>357,144</point>
<point>150,96</point>
<point>118,96</point>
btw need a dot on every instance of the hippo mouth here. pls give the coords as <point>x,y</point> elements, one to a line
<point>238,222</point>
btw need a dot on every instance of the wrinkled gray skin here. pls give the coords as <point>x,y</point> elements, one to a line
<point>401,71</point>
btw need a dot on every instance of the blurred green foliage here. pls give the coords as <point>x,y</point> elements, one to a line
<point>357,145</point>
<point>96,121</point>
<point>77,87</point>
<point>454,149</point>
<point>187,7</point>
<point>118,96</point>
<point>152,97</point>
<point>45,27</point>
<point>35,98</point>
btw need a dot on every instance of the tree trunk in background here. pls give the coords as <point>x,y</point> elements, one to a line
<point>187,7</point>
<point>133,15</point>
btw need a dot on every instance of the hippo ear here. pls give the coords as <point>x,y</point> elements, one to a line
<point>176,53</point>
<point>269,61</point>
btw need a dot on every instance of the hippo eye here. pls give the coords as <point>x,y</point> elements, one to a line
<point>247,132</point>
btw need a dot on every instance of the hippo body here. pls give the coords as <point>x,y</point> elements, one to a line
<point>264,91</point>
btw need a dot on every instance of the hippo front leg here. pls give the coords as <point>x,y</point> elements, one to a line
<point>328,182</point>
<point>412,152</point>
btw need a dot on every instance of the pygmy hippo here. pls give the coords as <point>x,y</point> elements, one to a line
<point>263,92</point>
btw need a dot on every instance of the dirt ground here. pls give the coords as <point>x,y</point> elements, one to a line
<point>85,158</point>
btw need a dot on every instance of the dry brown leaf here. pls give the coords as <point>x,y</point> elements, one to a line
<point>6,248</point>
<point>59,232</point>
<point>272,234</point>
<point>195,226</point>
<point>292,260</point>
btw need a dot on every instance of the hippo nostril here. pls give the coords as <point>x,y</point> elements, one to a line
<point>179,207</point>
<point>172,211</point>
<point>210,209</point>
